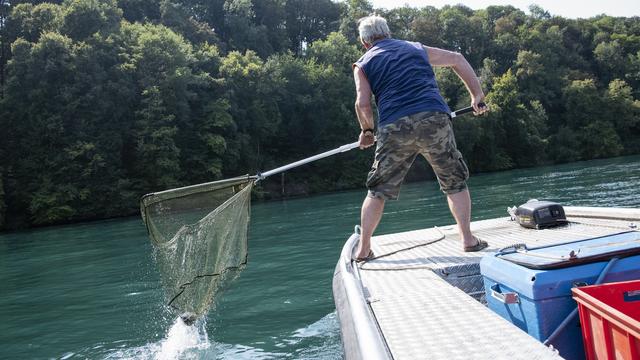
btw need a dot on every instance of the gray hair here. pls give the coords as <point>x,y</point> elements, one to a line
<point>373,28</point>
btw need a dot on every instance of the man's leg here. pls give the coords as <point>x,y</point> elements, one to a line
<point>370,216</point>
<point>395,152</point>
<point>439,148</point>
<point>460,206</point>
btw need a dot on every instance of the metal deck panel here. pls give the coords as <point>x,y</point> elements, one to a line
<point>423,317</point>
<point>499,233</point>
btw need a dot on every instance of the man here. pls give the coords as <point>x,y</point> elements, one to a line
<point>412,119</point>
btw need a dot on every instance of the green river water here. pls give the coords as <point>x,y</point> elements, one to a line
<point>92,290</point>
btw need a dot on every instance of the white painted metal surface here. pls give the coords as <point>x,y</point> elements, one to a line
<point>361,336</point>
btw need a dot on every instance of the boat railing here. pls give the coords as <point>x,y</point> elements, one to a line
<point>364,340</point>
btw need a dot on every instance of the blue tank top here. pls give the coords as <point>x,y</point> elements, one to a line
<point>401,79</point>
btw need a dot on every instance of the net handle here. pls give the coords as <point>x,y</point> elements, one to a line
<point>341,149</point>
<point>463,111</point>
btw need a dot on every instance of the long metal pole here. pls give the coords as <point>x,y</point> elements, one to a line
<point>325,154</point>
<point>341,149</point>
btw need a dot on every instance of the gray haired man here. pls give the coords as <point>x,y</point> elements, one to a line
<point>412,119</point>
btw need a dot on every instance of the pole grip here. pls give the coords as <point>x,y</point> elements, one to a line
<point>463,111</point>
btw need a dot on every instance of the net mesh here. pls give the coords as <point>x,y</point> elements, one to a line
<point>199,234</point>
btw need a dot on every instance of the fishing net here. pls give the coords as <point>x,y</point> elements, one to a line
<point>199,234</point>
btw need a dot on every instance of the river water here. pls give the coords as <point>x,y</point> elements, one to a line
<point>92,290</point>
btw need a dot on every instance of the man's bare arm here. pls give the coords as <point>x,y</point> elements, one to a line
<point>460,65</point>
<point>364,110</point>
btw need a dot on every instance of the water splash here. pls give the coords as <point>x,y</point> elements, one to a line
<point>181,342</point>
<point>183,339</point>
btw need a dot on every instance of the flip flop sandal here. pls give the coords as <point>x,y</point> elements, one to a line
<point>477,247</point>
<point>370,256</point>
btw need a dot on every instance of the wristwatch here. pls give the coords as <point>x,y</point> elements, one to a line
<point>365,131</point>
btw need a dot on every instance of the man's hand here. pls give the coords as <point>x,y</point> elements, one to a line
<point>366,139</point>
<point>459,65</point>
<point>475,103</point>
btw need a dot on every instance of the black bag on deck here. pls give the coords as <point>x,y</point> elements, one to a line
<point>540,214</point>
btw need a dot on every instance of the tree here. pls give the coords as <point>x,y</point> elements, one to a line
<point>488,73</point>
<point>253,97</point>
<point>534,79</point>
<point>583,104</point>
<point>3,206</point>
<point>29,21</point>
<point>37,123</point>
<point>157,157</point>
<point>564,146</point>
<point>204,137</point>
<point>522,125</point>
<point>181,115</point>
<point>611,61</point>
<point>210,12</point>
<point>316,107</point>
<point>451,87</point>
<point>552,62</point>
<point>310,20</point>
<point>4,45</point>
<point>400,20</point>
<point>351,12</point>
<point>204,141</point>
<point>271,16</point>
<point>625,112</point>
<point>335,51</point>
<point>140,10</point>
<point>633,74</point>
<point>587,113</point>
<point>241,33</point>
<point>599,140</point>
<point>178,19</point>
<point>463,33</point>
<point>83,18</point>
<point>426,27</point>
<point>503,25</point>
<point>332,78</point>
<point>537,12</point>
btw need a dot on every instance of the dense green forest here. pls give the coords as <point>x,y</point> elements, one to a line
<point>102,101</point>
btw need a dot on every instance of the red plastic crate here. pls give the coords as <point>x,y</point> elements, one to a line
<point>610,320</point>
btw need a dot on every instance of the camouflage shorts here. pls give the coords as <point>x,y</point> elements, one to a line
<point>427,133</point>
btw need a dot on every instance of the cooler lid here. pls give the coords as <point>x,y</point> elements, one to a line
<point>574,253</point>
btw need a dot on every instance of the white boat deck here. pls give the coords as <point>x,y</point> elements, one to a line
<point>423,296</point>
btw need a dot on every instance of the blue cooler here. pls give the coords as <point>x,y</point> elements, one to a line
<point>532,287</point>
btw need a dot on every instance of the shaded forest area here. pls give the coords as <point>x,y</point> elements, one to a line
<point>102,101</point>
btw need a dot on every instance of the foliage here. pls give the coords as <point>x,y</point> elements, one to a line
<point>3,206</point>
<point>103,101</point>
